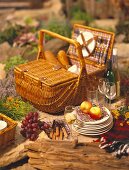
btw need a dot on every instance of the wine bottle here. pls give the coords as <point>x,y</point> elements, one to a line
<point>109,74</point>
<point>116,71</point>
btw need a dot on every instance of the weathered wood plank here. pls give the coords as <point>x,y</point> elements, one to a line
<point>56,155</point>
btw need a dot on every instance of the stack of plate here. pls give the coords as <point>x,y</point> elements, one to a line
<point>87,126</point>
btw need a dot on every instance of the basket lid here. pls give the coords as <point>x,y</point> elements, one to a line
<point>45,72</point>
<point>96,44</point>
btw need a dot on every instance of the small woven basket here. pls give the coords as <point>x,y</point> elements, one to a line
<point>7,135</point>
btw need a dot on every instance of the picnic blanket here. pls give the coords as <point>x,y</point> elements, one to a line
<point>116,141</point>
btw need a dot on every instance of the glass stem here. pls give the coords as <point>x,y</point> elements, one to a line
<point>109,104</point>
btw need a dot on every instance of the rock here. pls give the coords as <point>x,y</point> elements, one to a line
<point>105,24</point>
<point>55,45</point>
<point>119,38</point>
<point>15,152</point>
<point>123,55</point>
<point>30,53</point>
<point>2,71</point>
<point>55,10</point>
<point>4,49</point>
<point>24,167</point>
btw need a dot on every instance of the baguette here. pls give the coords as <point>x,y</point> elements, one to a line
<point>63,59</point>
<point>64,132</point>
<point>50,57</point>
<point>57,131</point>
<point>61,134</point>
<point>51,134</point>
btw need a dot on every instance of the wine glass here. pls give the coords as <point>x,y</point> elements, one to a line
<point>110,92</point>
<point>70,116</point>
<point>102,88</point>
<point>92,95</point>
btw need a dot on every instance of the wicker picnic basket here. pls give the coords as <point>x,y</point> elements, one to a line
<point>7,135</point>
<point>50,88</point>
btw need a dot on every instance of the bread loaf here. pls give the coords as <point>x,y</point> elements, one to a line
<point>50,57</point>
<point>63,59</point>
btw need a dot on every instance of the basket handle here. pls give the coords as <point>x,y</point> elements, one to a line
<point>55,35</point>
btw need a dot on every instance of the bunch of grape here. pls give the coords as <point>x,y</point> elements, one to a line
<point>30,126</point>
<point>44,125</point>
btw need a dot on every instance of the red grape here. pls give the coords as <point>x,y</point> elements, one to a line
<point>30,120</point>
<point>46,126</point>
<point>42,128</point>
<point>27,117</point>
<point>30,114</point>
<point>33,136</point>
<point>34,129</point>
<point>24,122</point>
<point>34,125</point>
<point>30,126</point>
<point>28,135</point>
<point>35,119</point>
<point>23,133</point>
<point>29,130</point>
<point>36,114</point>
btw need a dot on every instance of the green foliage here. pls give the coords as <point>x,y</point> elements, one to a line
<point>13,61</point>
<point>60,27</point>
<point>28,20</point>
<point>15,108</point>
<point>10,34</point>
<point>83,16</point>
<point>78,14</point>
<point>33,51</point>
<point>123,28</point>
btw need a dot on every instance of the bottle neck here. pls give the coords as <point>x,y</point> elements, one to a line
<point>115,61</point>
<point>109,65</point>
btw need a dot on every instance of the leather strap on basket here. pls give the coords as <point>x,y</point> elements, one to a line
<point>71,41</point>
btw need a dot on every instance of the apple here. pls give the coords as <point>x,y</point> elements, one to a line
<point>95,113</point>
<point>85,107</point>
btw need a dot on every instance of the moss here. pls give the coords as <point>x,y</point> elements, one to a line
<point>60,27</point>
<point>13,61</point>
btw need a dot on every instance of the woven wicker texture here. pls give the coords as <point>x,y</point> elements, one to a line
<point>104,42</point>
<point>44,71</point>
<point>50,89</point>
<point>7,135</point>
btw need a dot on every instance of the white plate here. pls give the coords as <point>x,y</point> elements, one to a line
<point>3,124</point>
<point>91,46</point>
<point>92,130</point>
<point>93,127</point>
<point>93,133</point>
